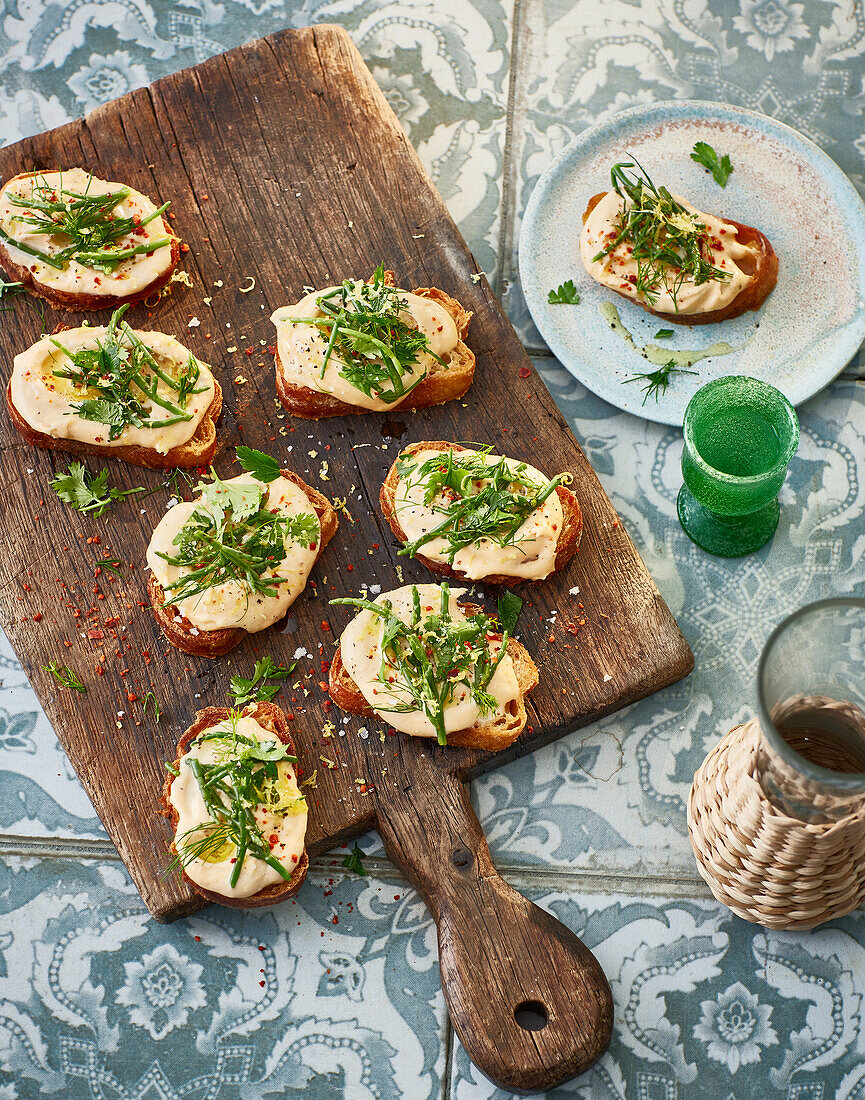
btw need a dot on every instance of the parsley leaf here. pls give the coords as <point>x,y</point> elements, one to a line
<point>245,691</point>
<point>353,861</point>
<point>510,606</point>
<point>564,295</point>
<point>86,493</point>
<point>260,465</point>
<point>663,333</point>
<point>720,167</point>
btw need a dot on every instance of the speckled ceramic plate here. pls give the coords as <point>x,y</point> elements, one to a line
<point>810,326</point>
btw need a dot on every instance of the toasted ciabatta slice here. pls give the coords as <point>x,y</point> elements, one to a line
<point>63,251</point>
<point>441,382</point>
<point>736,271</point>
<point>270,719</point>
<point>48,384</point>
<point>177,623</point>
<point>490,733</point>
<point>544,544</point>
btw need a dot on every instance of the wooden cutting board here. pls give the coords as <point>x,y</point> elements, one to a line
<point>286,168</point>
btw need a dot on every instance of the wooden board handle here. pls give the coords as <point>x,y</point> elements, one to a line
<point>527,999</point>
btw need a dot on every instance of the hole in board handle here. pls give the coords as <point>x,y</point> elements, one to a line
<point>531,1016</point>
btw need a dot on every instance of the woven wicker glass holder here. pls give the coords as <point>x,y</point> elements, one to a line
<point>770,868</point>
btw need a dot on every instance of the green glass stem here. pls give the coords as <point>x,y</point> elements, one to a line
<point>740,435</point>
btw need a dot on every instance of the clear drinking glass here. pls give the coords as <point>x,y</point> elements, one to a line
<point>811,705</point>
<point>740,434</point>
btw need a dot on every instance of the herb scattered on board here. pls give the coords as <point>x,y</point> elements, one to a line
<point>433,655</point>
<point>669,243</point>
<point>129,381</point>
<point>656,381</point>
<point>87,492</point>
<point>366,330</point>
<point>475,499</point>
<point>64,675</point>
<point>232,535</point>
<point>564,295</point>
<point>354,861</point>
<point>150,702</point>
<point>257,689</point>
<point>663,333</point>
<point>7,289</point>
<point>720,167</point>
<point>244,777</point>
<point>88,221</point>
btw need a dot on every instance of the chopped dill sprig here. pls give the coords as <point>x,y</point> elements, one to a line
<point>656,381</point>
<point>670,244</point>
<point>64,675</point>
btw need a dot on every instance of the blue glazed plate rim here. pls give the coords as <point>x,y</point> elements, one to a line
<point>586,363</point>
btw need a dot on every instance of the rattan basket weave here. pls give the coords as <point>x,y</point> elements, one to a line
<point>770,868</point>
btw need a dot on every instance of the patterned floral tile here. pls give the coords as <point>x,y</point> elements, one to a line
<point>578,62</point>
<point>443,65</point>
<point>335,994</point>
<point>613,796</point>
<point>40,795</point>
<point>708,1006</point>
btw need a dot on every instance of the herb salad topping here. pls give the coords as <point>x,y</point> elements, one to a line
<point>436,657</point>
<point>241,785</point>
<point>668,242</point>
<point>473,499</point>
<point>235,534</point>
<point>371,334</point>
<point>89,222</point>
<point>127,380</point>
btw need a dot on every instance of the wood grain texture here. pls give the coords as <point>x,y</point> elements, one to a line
<point>285,164</point>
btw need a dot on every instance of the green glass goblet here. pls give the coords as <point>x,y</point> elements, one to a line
<point>740,434</point>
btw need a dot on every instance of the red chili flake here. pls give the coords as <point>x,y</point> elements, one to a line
<point>96,635</point>
<point>325,625</point>
<point>197,939</point>
<point>37,618</point>
<point>261,947</point>
<point>525,372</point>
<point>261,983</point>
<point>335,919</point>
<point>131,697</point>
<point>184,247</point>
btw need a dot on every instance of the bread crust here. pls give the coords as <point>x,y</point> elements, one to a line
<point>491,736</point>
<point>439,386</point>
<point>198,450</point>
<point>79,302</point>
<point>567,545</point>
<point>272,718</point>
<point>762,270</point>
<point>215,643</point>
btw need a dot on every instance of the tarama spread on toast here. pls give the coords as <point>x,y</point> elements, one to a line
<point>131,276</point>
<point>362,655</point>
<point>233,604</point>
<point>531,552</point>
<point>618,270</point>
<point>301,348</point>
<point>47,402</point>
<point>282,823</point>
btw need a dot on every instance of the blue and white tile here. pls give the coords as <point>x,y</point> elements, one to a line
<point>707,1005</point>
<point>333,994</point>
<point>40,795</point>
<point>579,62</point>
<point>613,796</point>
<point>442,64</point>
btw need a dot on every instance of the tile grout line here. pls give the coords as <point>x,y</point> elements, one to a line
<point>521,875</point>
<point>507,197</point>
